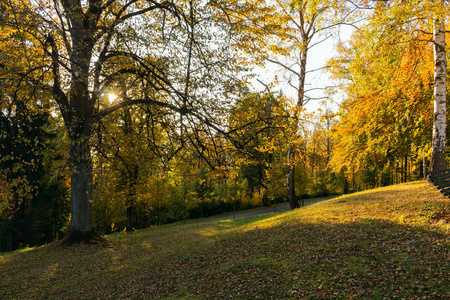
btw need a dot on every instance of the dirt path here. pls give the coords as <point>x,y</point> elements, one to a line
<point>275,209</point>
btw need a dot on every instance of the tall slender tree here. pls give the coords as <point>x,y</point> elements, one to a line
<point>438,150</point>
<point>306,24</point>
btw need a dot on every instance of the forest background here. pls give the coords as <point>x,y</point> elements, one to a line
<point>119,115</point>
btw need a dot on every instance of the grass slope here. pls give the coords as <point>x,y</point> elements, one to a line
<point>383,243</point>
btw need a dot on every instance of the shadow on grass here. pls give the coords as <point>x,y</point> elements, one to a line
<point>259,257</point>
<point>366,259</point>
<point>316,252</point>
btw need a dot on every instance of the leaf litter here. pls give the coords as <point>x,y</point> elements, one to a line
<point>390,242</point>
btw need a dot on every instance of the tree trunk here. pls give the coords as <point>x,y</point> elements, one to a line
<point>345,190</point>
<point>81,224</point>
<point>129,223</point>
<point>290,181</point>
<point>402,172</point>
<point>265,198</point>
<point>313,162</point>
<point>406,167</point>
<point>131,197</point>
<point>9,236</point>
<point>438,151</point>
<point>424,166</point>
<point>262,185</point>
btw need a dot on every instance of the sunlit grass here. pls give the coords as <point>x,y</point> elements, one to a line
<point>383,243</point>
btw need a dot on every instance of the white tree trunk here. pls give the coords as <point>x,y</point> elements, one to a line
<point>438,152</point>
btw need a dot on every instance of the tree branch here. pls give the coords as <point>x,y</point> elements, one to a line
<point>283,66</point>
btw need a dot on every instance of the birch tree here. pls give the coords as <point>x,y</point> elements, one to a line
<point>438,152</point>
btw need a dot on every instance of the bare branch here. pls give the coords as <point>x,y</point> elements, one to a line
<point>318,69</point>
<point>320,42</point>
<point>126,103</point>
<point>283,66</point>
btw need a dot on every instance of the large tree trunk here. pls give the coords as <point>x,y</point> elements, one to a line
<point>79,111</point>
<point>438,152</point>
<point>81,224</point>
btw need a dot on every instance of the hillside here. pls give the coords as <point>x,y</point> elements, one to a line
<point>387,242</point>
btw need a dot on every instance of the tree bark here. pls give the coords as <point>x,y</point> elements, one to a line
<point>131,199</point>
<point>345,190</point>
<point>292,155</point>
<point>78,108</point>
<point>424,165</point>
<point>406,168</point>
<point>290,180</point>
<point>9,236</point>
<point>401,172</point>
<point>265,198</point>
<point>81,222</point>
<point>438,151</point>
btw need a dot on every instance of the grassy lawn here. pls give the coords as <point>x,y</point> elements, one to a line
<point>391,242</point>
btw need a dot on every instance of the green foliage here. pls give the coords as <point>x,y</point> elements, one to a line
<point>370,177</point>
<point>35,205</point>
<point>385,175</point>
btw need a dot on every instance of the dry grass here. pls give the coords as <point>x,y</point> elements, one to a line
<point>384,243</point>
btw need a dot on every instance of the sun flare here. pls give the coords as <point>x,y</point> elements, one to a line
<point>112,97</point>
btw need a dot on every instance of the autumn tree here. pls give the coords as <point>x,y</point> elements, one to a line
<point>427,17</point>
<point>306,24</point>
<point>33,201</point>
<point>261,120</point>
<point>180,54</point>
<point>122,148</point>
<point>385,120</point>
<point>319,149</point>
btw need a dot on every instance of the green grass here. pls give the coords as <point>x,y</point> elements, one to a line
<point>383,243</point>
